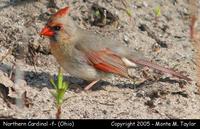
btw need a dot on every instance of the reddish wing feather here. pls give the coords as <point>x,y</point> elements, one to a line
<point>107,61</point>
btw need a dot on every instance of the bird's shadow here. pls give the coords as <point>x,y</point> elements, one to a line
<point>42,79</point>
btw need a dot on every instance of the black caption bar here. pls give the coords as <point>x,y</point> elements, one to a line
<point>104,124</point>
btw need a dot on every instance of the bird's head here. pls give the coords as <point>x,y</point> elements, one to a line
<point>59,25</point>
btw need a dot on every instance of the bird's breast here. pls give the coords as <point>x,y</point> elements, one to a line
<point>56,51</point>
<point>61,52</point>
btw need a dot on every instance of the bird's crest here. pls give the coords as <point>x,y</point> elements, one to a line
<point>61,12</point>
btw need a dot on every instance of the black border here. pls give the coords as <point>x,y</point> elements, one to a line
<point>100,123</point>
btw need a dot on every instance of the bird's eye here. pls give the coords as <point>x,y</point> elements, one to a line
<point>56,28</point>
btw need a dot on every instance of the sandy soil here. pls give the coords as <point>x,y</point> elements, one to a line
<point>22,20</point>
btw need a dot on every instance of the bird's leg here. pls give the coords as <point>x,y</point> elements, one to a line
<point>90,85</point>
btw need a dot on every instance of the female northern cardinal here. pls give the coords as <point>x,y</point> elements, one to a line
<point>89,56</point>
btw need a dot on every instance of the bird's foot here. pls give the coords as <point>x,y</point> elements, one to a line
<point>90,85</point>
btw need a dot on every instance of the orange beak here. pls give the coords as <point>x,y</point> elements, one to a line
<point>46,31</point>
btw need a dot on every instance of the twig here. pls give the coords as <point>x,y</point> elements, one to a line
<point>58,113</point>
<point>4,91</point>
<point>8,52</point>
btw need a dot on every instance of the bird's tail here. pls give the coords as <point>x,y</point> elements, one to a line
<point>160,68</point>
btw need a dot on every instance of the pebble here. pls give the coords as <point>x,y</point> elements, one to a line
<point>145,4</point>
<point>126,39</point>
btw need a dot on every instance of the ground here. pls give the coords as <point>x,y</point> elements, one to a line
<point>26,61</point>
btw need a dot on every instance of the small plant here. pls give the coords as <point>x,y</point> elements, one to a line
<point>128,12</point>
<point>61,87</point>
<point>157,12</point>
<point>97,13</point>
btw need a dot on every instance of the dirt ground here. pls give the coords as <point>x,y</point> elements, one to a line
<point>26,61</point>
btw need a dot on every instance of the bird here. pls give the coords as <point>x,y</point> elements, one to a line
<point>90,56</point>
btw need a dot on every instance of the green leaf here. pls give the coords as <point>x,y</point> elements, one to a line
<point>65,86</point>
<point>53,83</point>
<point>60,96</point>
<point>128,11</point>
<point>97,13</point>
<point>60,78</point>
<point>157,11</point>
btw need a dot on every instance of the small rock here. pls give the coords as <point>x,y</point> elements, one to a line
<point>5,80</point>
<point>139,95</point>
<point>145,4</point>
<point>126,39</point>
<point>134,6</point>
<point>150,103</point>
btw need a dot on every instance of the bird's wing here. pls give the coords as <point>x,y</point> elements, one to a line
<point>106,61</point>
